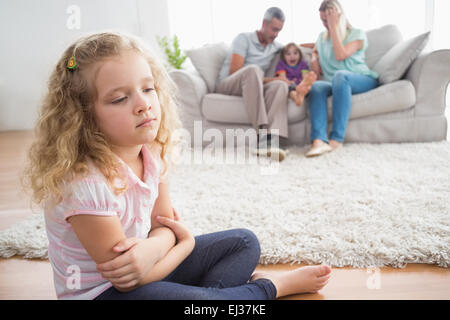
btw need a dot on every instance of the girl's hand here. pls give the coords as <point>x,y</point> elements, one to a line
<point>181,232</point>
<point>176,216</point>
<point>310,78</point>
<point>282,77</point>
<point>333,17</point>
<point>127,270</point>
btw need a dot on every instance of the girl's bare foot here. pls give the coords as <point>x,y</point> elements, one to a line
<point>301,91</point>
<point>303,88</point>
<point>309,279</point>
<point>310,78</point>
<point>293,96</point>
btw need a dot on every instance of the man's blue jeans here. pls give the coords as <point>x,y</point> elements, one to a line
<point>342,86</point>
<point>218,268</point>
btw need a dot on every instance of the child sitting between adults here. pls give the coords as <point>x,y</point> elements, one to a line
<point>294,69</point>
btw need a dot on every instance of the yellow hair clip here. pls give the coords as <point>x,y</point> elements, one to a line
<point>72,63</point>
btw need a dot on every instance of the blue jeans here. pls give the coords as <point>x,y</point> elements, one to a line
<point>342,86</point>
<point>218,268</point>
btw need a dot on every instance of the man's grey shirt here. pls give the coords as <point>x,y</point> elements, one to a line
<point>246,44</point>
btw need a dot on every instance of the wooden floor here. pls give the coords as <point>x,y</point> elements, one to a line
<point>32,279</point>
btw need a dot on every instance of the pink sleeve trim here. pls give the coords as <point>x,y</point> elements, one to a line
<point>71,213</point>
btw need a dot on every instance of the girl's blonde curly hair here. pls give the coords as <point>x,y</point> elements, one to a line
<point>66,134</point>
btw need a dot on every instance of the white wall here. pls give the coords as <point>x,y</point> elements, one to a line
<point>221,20</point>
<point>34,34</point>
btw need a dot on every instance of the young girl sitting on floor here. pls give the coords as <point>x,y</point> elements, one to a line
<point>99,166</point>
<point>291,67</point>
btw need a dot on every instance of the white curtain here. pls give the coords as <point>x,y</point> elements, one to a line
<point>197,22</point>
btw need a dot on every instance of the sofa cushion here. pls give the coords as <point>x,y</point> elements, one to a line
<point>380,41</point>
<point>231,109</point>
<point>392,97</point>
<point>208,60</point>
<point>393,65</point>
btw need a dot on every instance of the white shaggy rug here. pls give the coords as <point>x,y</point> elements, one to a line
<point>361,206</point>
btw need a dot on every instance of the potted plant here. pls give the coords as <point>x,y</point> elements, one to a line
<point>171,48</point>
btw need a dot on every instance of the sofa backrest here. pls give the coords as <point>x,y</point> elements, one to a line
<point>380,41</point>
<point>208,59</point>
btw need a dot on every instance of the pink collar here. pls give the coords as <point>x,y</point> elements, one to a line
<point>149,169</point>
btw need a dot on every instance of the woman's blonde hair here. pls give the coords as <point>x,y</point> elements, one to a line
<point>344,26</point>
<point>66,134</point>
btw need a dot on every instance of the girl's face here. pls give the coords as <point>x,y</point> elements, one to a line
<point>127,108</point>
<point>292,56</point>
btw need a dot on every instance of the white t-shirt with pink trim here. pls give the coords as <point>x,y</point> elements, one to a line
<point>74,271</point>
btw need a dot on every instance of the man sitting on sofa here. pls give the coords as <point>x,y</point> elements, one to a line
<point>242,74</point>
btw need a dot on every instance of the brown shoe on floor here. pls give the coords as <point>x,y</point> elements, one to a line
<point>267,148</point>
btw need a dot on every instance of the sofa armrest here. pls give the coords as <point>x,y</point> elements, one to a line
<point>430,75</point>
<point>191,89</point>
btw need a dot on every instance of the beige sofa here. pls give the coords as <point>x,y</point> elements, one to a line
<point>408,106</point>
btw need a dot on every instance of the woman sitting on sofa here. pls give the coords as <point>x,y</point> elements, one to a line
<point>339,56</point>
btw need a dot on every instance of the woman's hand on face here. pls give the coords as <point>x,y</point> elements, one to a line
<point>333,17</point>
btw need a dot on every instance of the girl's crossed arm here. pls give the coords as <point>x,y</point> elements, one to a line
<point>165,219</point>
<point>124,262</point>
<point>165,231</point>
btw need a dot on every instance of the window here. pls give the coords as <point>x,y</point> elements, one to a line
<point>441,25</point>
<point>207,21</point>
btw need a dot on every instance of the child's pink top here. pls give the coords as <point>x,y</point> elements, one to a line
<point>74,271</point>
